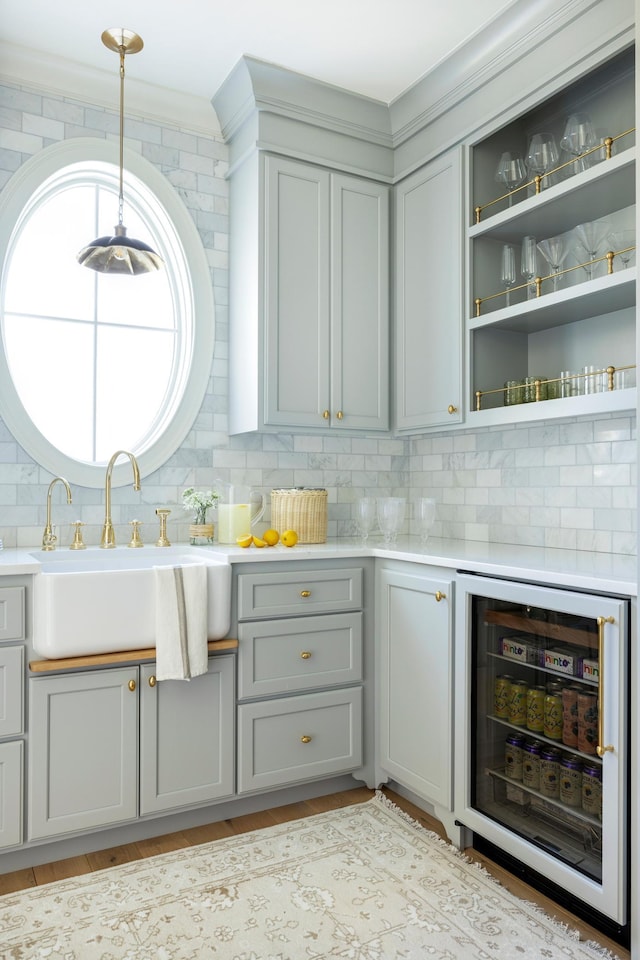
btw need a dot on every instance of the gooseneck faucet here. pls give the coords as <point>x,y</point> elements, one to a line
<point>108,538</point>
<point>48,537</point>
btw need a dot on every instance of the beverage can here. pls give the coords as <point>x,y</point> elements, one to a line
<point>518,703</point>
<point>571,781</point>
<point>502,693</point>
<point>531,764</point>
<point>553,716</point>
<point>550,773</point>
<point>570,715</point>
<point>587,722</point>
<point>513,756</point>
<point>592,789</point>
<point>535,709</point>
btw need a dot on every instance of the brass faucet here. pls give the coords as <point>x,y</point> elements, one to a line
<point>108,538</point>
<point>48,537</point>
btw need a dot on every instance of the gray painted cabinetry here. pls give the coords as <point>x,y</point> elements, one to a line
<point>12,630</point>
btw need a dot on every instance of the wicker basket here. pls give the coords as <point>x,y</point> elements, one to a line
<point>303,510</point>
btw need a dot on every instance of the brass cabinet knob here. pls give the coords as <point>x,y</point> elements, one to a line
<point>340,415</point>
<point>452,409</point>
<point>305,593</point>
<point>440,595</point>
<point>305,655</point>
<point>152,681</point>
<point>325,414</point>
<point>132,685</point>
<point>305,739</point>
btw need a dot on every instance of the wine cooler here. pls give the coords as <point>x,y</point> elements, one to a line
<point>542,743</point>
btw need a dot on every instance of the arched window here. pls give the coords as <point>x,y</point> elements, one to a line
<point>92,363</point>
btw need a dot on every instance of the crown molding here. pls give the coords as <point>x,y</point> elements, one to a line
<point>57,76</point>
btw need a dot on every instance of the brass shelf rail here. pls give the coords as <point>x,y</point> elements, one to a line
<point>536,182</point>
<point>538,281</point>
<point>539,384</point>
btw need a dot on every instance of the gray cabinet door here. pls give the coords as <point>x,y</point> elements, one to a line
<point>186,737</point>
<point>11,793</point>
<point>296,367</point>
<point>83,751</point>
<point>415,682</point>
<point>429,286</point>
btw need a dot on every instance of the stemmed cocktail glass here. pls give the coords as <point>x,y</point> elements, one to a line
<point>391,512</point>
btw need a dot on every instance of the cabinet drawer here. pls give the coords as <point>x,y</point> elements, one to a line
<point>12,613</point>
<point>271,738</point>
<point>11,793</point>
<point>299,592</point>
<point>280,656</point>
<point>11,690</point>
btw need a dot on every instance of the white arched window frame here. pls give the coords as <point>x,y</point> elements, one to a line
<point>189,281</point>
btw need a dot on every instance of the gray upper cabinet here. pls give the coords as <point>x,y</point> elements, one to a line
<point>429,284</point>
<point>310,350</point>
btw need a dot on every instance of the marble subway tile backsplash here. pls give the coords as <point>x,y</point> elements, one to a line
<point>568,484</point>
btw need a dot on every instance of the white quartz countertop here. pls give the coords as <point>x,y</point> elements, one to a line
<point>574,569</point>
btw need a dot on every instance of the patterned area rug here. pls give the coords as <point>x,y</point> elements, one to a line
<point>362,883</point>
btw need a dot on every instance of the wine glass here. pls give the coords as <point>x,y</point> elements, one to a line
<point>579,136</point>
<point>590,239</point>
<point>620,241</point>
<point>426,515</point>
<point>508,269</point>
<point>542,155</point>
<point>511,171</point>
<point>529,263</point>
<point>554,250</point>
<point>365,516</point>
<point>391,517</point>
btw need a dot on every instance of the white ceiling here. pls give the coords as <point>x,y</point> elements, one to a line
<point>377,48</point>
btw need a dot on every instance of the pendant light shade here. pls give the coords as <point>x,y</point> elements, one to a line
<point>120,253</point>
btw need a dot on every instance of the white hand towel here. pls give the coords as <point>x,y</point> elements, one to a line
<point>181,621</point>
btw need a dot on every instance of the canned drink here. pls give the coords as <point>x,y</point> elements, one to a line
<point>518,703</point>
<point>553,716</point>
<point>571,781</point>
<point>587,722</point>
<point>570,715</point>
<point>535,709</point>
<point>531,764</point>
<point>502,693</point>
<point>550,773</point>
<point>592,789</point>
<point>513,756</point>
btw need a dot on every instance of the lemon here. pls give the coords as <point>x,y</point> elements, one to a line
<point>289,538</point>
<point>271,537</point>
<point>244,541</point>
<point>257,542</point>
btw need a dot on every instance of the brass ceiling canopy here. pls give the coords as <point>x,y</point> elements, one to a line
<point>120,253</point>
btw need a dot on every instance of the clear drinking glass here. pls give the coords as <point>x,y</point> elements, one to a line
<point>590,241</point>
<point>508,269</point>
<point>511,171</point>
<point>622,240</point>
<point>529,263</point>
<point>391,512</point>
<point>579,136</point>
<point>554,250</point>
<point>425,515</point>
<point>365,516</point>
<point>543,155</point>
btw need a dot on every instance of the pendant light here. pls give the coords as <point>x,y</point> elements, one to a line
<point>120,253</point>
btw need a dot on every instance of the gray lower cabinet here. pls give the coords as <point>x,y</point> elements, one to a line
<point>83,745</point>
<point>300,676</point>
<point>414,703</point>
<point>11,760</point>
<point>186,737</point>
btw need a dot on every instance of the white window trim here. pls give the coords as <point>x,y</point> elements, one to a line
<point>12,201</point>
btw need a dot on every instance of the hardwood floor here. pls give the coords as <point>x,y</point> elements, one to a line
<point>76,866</point>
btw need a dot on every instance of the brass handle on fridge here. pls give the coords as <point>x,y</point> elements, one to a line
<point>600,750</point>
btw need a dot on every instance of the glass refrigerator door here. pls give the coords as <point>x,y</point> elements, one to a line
<point>544,735</point>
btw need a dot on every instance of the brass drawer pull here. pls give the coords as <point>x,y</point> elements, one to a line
<point>305,739</point>
<point>305,593</point>
<point>132,685</point>
<point>305,655</point>
<point>325,414</point>
<point>340,415</point>
<point>439,595</point>
<point>152,681</point>
<point>452,409</point>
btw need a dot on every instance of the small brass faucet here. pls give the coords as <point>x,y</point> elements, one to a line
<point>108,539</point>
<point>48,537</point>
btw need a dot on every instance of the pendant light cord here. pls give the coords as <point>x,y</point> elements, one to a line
<point>121,195</point>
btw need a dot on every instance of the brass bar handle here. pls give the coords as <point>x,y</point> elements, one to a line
<point>305,739</point>
<point>439,595</point>
<point>600,749</point>
<point>152,681</point>
<point>305,593</point>
<point>132,685</point>
<point>305,655</point>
